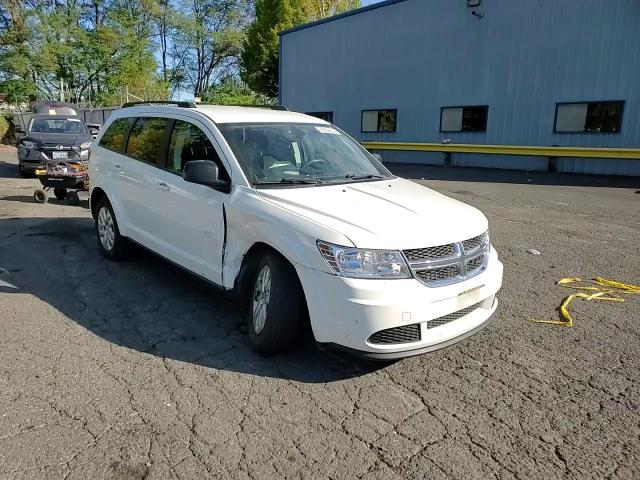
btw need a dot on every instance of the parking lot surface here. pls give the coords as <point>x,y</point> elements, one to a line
<point>138,370</point>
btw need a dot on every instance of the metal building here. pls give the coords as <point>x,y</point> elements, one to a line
<point>486,72</point>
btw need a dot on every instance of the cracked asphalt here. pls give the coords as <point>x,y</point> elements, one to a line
<point>138,370</point>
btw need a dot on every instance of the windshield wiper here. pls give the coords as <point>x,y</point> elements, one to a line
<point>353,176</point>
<point>292,181</point>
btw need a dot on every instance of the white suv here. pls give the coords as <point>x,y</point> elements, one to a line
<point>301,221</point>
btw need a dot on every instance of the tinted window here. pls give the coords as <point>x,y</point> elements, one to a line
<point>114,137</point>
<point>589,117</point>
<point>145,139</point>
<point>188,143</point>
<point>379,120</point>
<point>464,119</point>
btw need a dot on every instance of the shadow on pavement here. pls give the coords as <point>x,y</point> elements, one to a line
<point>84,203</point>
<point>493,175</point>
<point>9,170</point>
<point>147,304</point>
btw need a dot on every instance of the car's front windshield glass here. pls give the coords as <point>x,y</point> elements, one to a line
<point>300,153</point>
<point>57,125</point>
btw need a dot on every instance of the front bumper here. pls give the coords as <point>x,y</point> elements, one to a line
<point>346,312</point>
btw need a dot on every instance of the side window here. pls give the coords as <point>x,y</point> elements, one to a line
<point>188,143</point>
<point>145,139</point>
<point>114,137</point>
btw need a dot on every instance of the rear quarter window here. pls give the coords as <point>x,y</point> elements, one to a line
<point>115,136</point>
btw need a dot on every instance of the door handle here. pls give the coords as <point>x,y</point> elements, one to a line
<point>161,185</point>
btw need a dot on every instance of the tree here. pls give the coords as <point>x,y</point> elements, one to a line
<point>231,91</point>
<point>209,38</point>
<point>260,50</point>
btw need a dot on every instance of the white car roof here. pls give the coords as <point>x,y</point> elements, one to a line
<point>223,113</point>
<point>229,114</point>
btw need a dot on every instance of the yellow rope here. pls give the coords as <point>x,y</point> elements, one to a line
<point>611,293</point>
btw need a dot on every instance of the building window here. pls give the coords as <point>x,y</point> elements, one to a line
<point>378,120</point>
<point>464,119</point>
<point>326,116</point>
<point>589,117</point>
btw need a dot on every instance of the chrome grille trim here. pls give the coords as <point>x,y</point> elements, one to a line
<point>396,335</point>
<point>437,322</point>
<point>429,253</point>
<point>450,263</point>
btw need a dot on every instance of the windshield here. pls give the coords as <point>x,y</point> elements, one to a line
<point>57,125</point>
<point>281,153</point>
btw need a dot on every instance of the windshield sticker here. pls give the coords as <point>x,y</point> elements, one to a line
<point>330,130</point>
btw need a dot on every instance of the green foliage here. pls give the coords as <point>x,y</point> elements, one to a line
<point>230,91</point>
<point>6,131</point>
<point>259,59</point>
<point>101,49</point>
<point>18,91</point>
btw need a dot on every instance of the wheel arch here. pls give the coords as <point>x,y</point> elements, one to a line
<point>96,194</point>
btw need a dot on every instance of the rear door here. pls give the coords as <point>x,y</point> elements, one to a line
<point>192,226</point>
<point>143,156</point>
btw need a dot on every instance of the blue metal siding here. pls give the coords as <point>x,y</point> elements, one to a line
<point>520,59</point>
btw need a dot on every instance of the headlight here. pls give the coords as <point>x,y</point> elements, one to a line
<point>28,144</point>
<point>361,263</point>
<point>85,145</point>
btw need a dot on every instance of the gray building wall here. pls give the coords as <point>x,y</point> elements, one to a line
<point>522,58</point>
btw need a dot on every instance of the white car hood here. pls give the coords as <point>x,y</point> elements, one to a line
<point>392,214</point>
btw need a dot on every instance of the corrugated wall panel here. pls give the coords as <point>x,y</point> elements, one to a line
<point>520,59</point>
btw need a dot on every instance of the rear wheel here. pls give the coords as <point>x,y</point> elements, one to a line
<point>60,193</point>
<point>21,171</point>
<point>276,305</point>
<point>112,245</point>
<point>72,198</point>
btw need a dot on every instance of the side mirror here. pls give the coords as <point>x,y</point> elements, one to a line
<point>20,130</point>
<point>204,172</point>
<point>377,156</point>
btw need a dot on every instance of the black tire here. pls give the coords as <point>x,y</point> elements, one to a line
<point>72,198</point>
<point>40,196</point>
<point>22,172</point>
<point>118,249</point>
<point>284,309</point>
<point>60,193</point>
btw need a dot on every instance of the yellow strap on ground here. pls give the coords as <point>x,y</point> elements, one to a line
<point>608,294</point>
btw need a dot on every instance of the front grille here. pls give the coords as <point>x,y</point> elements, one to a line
<point>437,322</point>
<point>429,253</point>
<point>450,263</point>
<point>475,263</point>
<point>474,242</point>
<point>403,334</point>
<point>438,274</point>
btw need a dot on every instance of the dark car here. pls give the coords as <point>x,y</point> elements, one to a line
<point>52,137</point>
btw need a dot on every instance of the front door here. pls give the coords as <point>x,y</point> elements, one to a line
<point>192,229</point>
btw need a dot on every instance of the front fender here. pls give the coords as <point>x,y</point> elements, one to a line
<point>252,220</point>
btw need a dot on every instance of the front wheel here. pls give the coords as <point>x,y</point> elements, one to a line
<point>276,305</point>
<point>112,245</point>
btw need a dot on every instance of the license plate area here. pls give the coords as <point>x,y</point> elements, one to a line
<point>56,155</point>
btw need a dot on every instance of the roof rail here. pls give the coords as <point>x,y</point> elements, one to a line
<point>161,102</point>
<point>270,107</point>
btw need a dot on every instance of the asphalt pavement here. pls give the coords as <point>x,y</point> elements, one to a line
<point>138,370</point>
